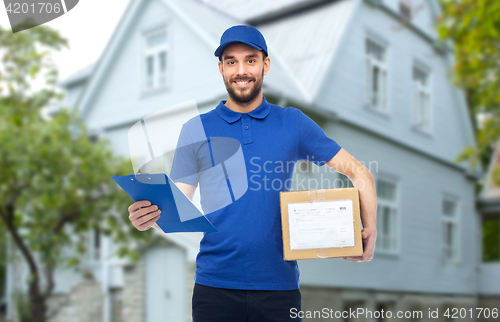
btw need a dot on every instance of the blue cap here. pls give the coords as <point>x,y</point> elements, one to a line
<point>242,33</point>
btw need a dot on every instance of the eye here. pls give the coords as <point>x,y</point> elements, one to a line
<point>251,61</point>
<point>230,62</point>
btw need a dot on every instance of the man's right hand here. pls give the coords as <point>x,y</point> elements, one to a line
<point>143,215</point>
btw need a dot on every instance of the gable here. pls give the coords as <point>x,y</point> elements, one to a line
<point>244,10</point>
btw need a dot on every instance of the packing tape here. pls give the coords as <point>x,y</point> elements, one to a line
<point>323,253</point>
<point>318,195</point>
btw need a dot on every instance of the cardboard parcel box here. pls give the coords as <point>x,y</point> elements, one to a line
<point>321,223</point>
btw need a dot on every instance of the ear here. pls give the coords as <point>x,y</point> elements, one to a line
<point>221,70</point>
<point>267,64</point>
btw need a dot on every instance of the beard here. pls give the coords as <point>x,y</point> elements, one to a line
<point>246,95</point>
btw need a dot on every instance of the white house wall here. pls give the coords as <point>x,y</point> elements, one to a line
<point>118,136</point>
<point>489,278</point>
<point>165,284</point>
<point>72,94</point>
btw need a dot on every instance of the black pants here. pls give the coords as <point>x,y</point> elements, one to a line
<point>212,304</point>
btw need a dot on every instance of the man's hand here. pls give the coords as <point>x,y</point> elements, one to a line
<point>143,215</point>
<point>369,237</point>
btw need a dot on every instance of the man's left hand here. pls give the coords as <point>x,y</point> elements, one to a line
<point>369,237</point>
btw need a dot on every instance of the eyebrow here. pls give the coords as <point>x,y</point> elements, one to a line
<point>247,56</point>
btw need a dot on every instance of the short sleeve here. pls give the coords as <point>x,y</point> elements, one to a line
<point>185,166</point>
<point>314,144</point>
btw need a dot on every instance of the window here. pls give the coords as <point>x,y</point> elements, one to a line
<point>422,98</point>
<point>405,10</point>
<point>155,59</point>
<point>450,240</point>
<point>376,74</point>
<point>93,245</point>
<point>387,220</point>
<point>97,244</point>
<point>491,238</point>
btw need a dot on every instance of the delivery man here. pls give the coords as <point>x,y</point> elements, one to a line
<point>240,271</point>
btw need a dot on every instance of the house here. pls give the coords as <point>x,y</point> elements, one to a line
<point>372,74</point>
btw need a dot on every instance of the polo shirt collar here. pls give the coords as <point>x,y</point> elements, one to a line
<point>231,116</point>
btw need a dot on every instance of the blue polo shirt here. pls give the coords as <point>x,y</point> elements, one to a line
<point>247,250</point>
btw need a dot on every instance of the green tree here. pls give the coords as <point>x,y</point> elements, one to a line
<point>473,26</point>
<point>55,183</point>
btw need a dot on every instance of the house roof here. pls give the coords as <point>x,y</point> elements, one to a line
<point>80,75</point>
<point>245,10</point>
<point>308,42</point>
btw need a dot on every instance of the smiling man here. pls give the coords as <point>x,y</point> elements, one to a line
<point>240,271</point>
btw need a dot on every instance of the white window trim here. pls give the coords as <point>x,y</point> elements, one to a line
<point>457,221</point>
<point>416,89</point>
<point>397,206</point>
<point>145,52</point>
<point>370,63</point>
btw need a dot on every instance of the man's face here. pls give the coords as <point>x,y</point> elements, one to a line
<point>243,69</point>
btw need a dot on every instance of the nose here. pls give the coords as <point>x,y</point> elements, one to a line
<point>242,70</point>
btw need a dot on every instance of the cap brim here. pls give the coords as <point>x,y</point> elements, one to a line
<point>218,52</point>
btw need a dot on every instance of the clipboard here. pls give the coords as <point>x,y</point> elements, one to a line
<point>178,213</point>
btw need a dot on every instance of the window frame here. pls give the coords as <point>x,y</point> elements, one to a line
<point>455,220</point>
<point>155,53</point>
<point>396,206</point>
<point>370,63</point>
<point>417,89</point>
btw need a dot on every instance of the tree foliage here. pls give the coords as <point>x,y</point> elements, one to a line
<point>473,26</point>
<point>55,182</point>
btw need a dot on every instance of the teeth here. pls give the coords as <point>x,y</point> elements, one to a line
<point>242,83</point>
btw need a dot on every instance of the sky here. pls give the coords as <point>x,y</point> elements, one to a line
<point>88,28</point>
